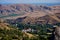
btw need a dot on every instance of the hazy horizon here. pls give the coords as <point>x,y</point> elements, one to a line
<point>28,1</point>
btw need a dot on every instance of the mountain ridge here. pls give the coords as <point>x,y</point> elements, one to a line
<point>30,11</point>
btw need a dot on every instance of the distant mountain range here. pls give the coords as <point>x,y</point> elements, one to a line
<point>29,13</point>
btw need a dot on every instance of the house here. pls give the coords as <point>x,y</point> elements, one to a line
<point>27,30</point>
<point>30,30</point>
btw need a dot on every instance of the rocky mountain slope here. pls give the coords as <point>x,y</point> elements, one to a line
<point>28,13</point>
<point>21,9</point>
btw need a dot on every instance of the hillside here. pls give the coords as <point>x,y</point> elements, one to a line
<point>26,12</point>
<point>18,17</point>
<point>9,32</point>
<point>26,9</point>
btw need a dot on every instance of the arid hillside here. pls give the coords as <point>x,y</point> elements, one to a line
<point>24,9</point>
<point>31,14</point>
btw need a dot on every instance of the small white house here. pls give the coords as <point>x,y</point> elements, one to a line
<point>27,30</point>
<point>55,26</point>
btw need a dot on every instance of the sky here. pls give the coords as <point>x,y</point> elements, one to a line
<point>29,1</point>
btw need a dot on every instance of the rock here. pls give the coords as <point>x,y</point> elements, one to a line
<point>57,33</point>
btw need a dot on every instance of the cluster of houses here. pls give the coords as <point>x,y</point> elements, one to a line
<point>30,30</point>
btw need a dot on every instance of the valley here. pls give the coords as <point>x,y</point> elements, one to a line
<point>28,22</point>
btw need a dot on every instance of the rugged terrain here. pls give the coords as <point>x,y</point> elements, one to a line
<point>32,14</point>
<point>38,17</point>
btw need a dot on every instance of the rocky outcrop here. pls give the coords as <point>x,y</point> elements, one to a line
<point>57,33</point>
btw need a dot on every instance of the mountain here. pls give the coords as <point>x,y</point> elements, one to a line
<point>22,14</point>
<point>21,9</point>
<point>31,14</point>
